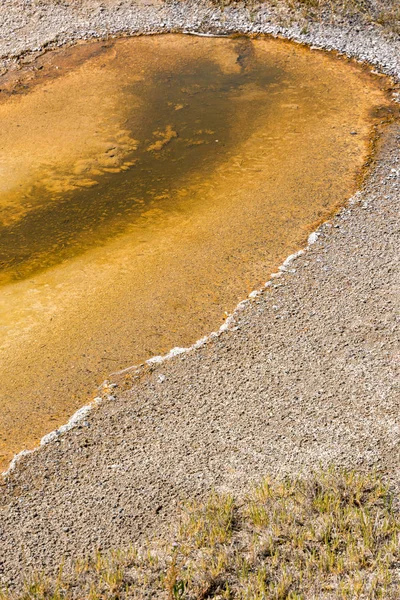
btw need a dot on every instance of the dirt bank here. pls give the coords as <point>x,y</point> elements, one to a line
<point>306,374</point>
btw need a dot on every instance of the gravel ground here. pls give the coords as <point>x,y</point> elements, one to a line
<point>306,374</point>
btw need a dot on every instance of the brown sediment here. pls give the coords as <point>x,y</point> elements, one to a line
<point>291,138</point>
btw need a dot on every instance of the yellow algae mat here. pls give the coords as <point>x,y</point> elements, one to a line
<point>146,186</point>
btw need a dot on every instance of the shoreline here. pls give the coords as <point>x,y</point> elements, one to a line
<point>82,412</point>
<point>135,316</point>
<point>151,380</point>
<point>62,26</point>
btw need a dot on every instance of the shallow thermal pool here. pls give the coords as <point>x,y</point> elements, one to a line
<point>146,186</point>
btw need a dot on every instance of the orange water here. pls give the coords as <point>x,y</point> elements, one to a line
<point>146,186</point>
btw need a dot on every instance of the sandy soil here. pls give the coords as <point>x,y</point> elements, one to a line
<point>307,373</point>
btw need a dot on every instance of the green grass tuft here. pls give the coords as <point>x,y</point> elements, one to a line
<point>332,536</point>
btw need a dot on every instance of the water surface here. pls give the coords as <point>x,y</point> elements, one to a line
<point>146,186</point>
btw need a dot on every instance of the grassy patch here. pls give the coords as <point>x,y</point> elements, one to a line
<point>385,13</point>
<point>389,17</point>
<point>332,536</point>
